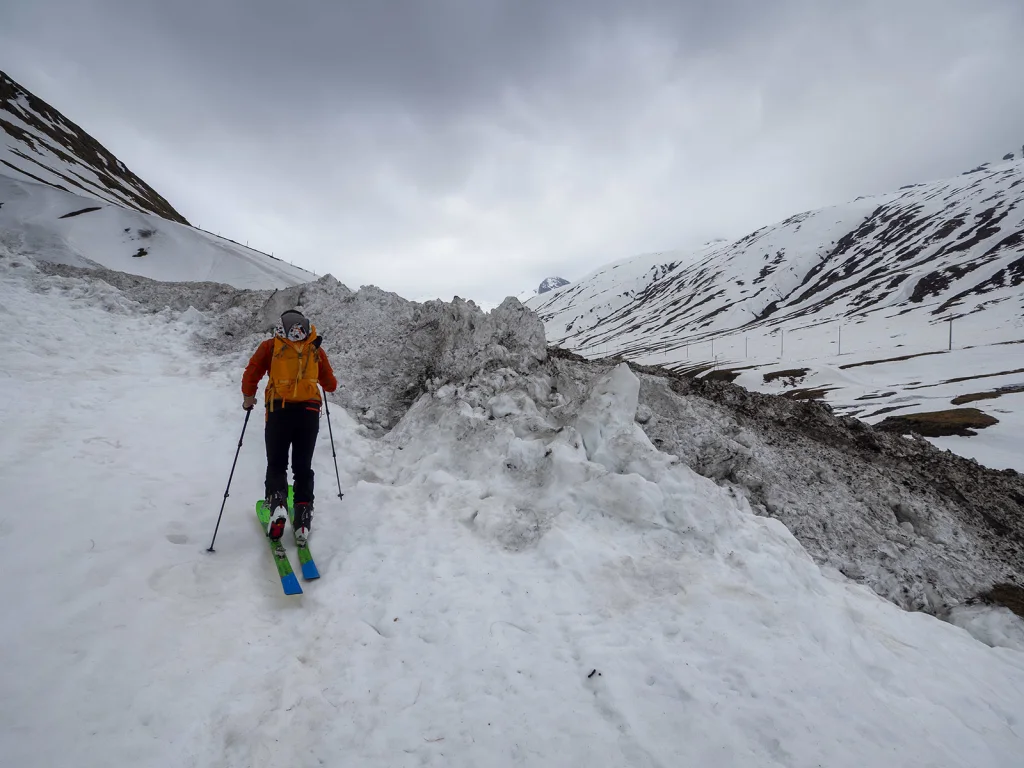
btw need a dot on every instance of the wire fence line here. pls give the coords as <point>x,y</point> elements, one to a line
<point>817,341</point>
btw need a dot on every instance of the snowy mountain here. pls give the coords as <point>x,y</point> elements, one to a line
<point>828,290</point>
<point>551,283</point>
<point>65,198</point>
<point>520,572</point>
<point>38,143</point>
<point>62,228</point>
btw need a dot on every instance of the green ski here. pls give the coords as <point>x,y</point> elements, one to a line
<point>284,565</point>
<point>309,569</point>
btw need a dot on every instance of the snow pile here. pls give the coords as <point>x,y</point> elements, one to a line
<point>391,349</point>
<point>490,595</point>
<point>921,527</point>
<point>45,223</point>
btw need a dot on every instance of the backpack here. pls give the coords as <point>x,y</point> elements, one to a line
<point>295,370</point>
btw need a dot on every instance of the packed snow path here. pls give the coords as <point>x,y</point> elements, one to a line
<point>493,593</point>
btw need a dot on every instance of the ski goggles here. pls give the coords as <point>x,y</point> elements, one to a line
<point>295,333</point>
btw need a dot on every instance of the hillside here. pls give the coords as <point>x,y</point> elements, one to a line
<point>825,291</point>
<point>42,222</point>
<point>67,199</point>
<point>38,143</point>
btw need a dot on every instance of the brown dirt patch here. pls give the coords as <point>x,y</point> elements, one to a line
<point>991,395</point>
<point>792,374</point>
<point>955,421</point>
<point>723,374</point>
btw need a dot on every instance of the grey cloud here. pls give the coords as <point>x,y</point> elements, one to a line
<point>474,147</point>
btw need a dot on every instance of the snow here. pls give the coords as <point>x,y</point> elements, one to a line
<point>38,143</point>
<point>995,627</point>
<point>852,284</point>
<point>31,220</point>
<point>497,588</point>
<point>36,159</point>
<point>858,383</point>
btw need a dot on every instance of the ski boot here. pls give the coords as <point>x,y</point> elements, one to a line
<point>278,506</point>
<point>303,522</point>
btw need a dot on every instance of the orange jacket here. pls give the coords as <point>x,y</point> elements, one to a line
<point>259,366</point>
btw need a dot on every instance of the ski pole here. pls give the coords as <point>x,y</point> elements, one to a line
<point>248,413</point>
<point>335,455</point>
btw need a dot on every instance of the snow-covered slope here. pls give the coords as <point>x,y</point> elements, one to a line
<point>67,199</point>
<point>516,576</point>
<point>40,221</point>
<point>890,269</point>
<point>37,142</point>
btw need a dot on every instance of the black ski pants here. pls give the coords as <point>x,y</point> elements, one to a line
<point>295,426</point>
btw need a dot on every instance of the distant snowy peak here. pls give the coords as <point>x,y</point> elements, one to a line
<point>950,247</point>
<point>38,143</point>
<point>551,284</point>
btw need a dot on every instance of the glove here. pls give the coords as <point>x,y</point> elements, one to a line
<point>249,402</point>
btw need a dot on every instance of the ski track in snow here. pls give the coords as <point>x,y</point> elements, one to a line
<point>491,593</point>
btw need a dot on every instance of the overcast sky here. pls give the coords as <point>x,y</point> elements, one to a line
<point>474,147</point>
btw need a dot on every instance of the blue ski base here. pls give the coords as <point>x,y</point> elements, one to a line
<point>291,584</point>
<point>309,571</point>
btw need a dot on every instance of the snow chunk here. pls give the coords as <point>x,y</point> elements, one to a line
<point>994,626</point>
<point>192,316</point>
<point>606,425</point>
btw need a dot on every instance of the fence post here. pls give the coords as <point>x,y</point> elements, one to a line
<point>840,338</point>
<point>951,334</point>
<point>782,343</point>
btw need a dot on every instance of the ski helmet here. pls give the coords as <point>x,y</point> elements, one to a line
<point>294,325</point>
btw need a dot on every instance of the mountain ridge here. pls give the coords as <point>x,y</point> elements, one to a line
<point>954,244</point>
<point>39,143</point>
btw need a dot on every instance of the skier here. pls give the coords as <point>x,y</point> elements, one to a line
<point>296,364</point>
